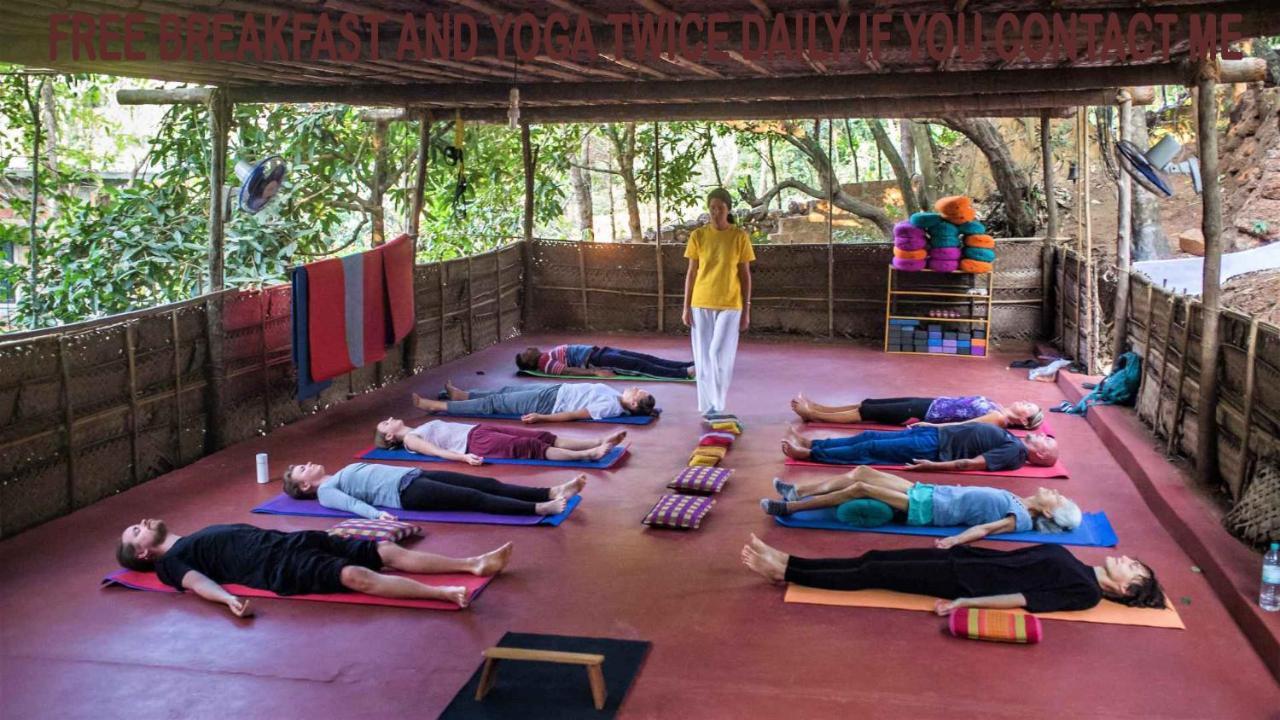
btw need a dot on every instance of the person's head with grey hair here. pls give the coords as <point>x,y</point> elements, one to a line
<point>1053,513</point>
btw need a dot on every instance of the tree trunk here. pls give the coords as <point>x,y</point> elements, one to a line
<point>928,165</point>
<point>624,153</point>
<point>711,151</point>
<point>906,138</point>
<point>1011,181</point>
<point>580,179</point>
<point>1149,240</point>
<point>899,166</point>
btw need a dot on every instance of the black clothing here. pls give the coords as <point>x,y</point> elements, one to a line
<point>1002,450</point>
<point>444,490</point>
<point>894,411</point>
<point>1048,576</point>
<point>286,563</point>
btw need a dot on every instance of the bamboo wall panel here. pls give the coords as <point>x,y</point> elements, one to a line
<point>1165,329</point>
<point>619,282</point>
<point>136,383</point>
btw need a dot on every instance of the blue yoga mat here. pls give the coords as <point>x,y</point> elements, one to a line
<point>608,461</point>
<point>284,505</point>
<point>617,420</point>
<point>1095,530</point>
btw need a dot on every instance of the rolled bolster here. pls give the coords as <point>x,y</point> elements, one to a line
<point>974,266</point>
<point>908,265</point>
<point>979,241</point>
<point>980,254</point>
<point>945,253</point>
<point>901,254</point>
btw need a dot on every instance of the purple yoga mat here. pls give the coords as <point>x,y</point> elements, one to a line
<point>284,505</point>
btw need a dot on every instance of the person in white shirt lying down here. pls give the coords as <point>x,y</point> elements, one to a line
<point>543,402</point>
<point>471,443</point>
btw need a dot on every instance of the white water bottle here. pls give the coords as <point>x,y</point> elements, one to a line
<point>1270,597</point>
<point>264,477</point>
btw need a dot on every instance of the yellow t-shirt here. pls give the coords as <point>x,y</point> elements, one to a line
<point>718,252</point>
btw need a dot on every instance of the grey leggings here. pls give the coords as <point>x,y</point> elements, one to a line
<point>510,400</point>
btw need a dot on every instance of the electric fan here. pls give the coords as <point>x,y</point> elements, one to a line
<point>1147,169</point>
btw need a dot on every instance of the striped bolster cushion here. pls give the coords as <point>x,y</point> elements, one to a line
<point>679,511</point>
<point>702,480</point>
<point>379,530</point>
<point>995,625</point>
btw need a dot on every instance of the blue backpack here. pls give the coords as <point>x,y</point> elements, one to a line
<point>1118,388</point>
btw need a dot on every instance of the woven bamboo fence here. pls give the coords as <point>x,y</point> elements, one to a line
<point>91,409</point>
<point>1164,328</point>
<point>615,287</point>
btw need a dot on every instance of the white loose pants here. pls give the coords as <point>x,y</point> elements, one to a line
<point>715,346</point>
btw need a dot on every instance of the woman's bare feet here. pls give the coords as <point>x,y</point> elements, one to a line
<point>798,439</point>
<point>600,451</point>
<point>794,452</point>
<point>763,566</point>
<point>492,562</point>
<point>768,550</point>
<point>801,406</point>
<point>567,490</point>
<point>693,371</point>
<point>455,392</point>
<point>615,438</point>
<point>555,506</point>
<point>455,594</point>
<point>431,406</point>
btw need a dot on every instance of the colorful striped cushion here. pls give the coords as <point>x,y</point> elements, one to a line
<point>995,625</point>
<point>380,530</point>
<point>716,438</point>
<point>700,480</point>
<point>679,511</point>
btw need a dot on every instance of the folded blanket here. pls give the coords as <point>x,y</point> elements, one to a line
<point>974,266</point>
<point>715,451</point>
<point>716,438</point>
<point>979,241</point>
<point>900,254</point>
<point>957,209</point>
<point>703,461</point>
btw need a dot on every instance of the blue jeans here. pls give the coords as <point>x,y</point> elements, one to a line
<point>878,447</point>
<point>510,400</point>
<point>634,363</point>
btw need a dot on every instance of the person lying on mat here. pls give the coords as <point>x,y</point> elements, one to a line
<point>923,411</point>
<point>986,510</point>
<point>601,361</point>
<point>1039,578</point>
<point>290,563</point>
<point>966,446</point>
<point>359,487</point>
<point>543,402</point>
<point>472,443</point>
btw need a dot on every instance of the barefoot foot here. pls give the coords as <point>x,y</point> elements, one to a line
<point>616,438</point>
<point>455,594</point>
<point>455,392</point>
<point>793,452</point>
<point>492,562</point>
<point>551,507</point>
<point>569,489</point>
<point>762,565</point>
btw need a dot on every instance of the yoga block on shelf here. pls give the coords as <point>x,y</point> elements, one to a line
<point>935,327</point>
<point>979,351</point>
<point>948,336</point>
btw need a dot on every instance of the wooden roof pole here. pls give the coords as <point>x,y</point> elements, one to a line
<point>220,110</point>
<point>1090,316</point>
<point>415,224</point>
<point>526,155</point>
<point>1124,239</point>
<point>1210,295</point>
<point>1051,228</point>
<point>657,211</point>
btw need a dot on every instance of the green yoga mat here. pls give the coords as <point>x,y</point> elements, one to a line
<point>616,378</point>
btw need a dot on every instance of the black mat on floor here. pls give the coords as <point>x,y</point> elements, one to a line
<point>527,690</point>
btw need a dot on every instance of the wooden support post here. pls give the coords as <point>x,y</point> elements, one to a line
<point>1051,209</point>
<point>379,183</point>
<point>657,209</point>
<point>1060,263</point>
<point>1091,333</point>
<point>1175,429</point>
<point>497,275</point>
<point>215,371</point>
<point>68,421</point>
<point>443,268</point>
<point>1146,350</point>
<point>177,386</point>
<point>526,152</point>
<point>1210,295</point>
<point>1250,379</point>
<point>1078,327</point>
<point>1124,239</point>
<point>471,307</point>
<point>831,252</point>
<point>131,363</point>
<point>266,370</point>
<point>415,224</point>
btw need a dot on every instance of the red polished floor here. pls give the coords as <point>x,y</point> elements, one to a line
<point>724,643</point>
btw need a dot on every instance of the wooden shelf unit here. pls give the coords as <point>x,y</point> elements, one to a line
<point>978,300</point>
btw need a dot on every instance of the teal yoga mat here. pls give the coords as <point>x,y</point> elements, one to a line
<point>1094,531</point>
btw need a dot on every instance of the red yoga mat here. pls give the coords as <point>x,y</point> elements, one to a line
<point>1056,470</point>
<point>1044,428</point>
<point>327,319</point>
<point>397,269</point>
<point>151,582</point>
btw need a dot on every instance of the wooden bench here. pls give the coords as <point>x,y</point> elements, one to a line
<point>594,664</point>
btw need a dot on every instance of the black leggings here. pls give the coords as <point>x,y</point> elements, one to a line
<point>894,411</point>
<point>921,571</point>
<point>444,490</point>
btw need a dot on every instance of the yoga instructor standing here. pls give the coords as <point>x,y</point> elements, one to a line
<point>717,298</point>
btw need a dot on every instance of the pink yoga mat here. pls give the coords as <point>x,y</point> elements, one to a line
<point>1055,470</point>
<point>151,582</point>
<point>1044,428</point>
